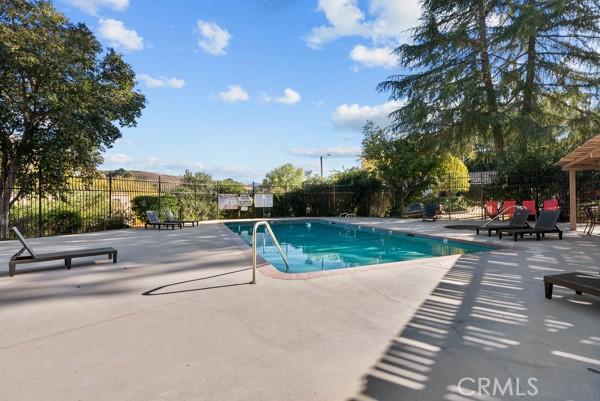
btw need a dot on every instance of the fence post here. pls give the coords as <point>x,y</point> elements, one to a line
<point>159,194</point>
<point>40,194</point>
<point>451,196</point>
<point>217,200</point>
<point>481,192</point>
<point>110,195</point>
<point>196,200</point>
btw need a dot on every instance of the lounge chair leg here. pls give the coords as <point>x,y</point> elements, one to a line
<point>515,237</point>
<point>68,263</point>
<point>499,234</point>
<point>560,235</point>
<point>489,233</point>
<point>537,236</point>
<point>114,257</point>
<point>12,266</point>
<point>578,292</point>
<point>477,230</point>
<point>548,289</point>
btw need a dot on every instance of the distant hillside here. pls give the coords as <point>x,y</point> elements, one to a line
<point>148,176</point>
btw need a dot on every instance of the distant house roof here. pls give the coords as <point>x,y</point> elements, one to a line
<point>482,177</point>
<point>585,157</point>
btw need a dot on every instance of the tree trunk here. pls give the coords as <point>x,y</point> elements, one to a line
<point>486,70</point>
<point>6,193</point>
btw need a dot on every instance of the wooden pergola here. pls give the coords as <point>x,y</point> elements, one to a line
<point>585,157</point>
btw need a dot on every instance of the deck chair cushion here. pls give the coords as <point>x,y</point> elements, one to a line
<point>519,218</point>
<point>547,220</point>
<point>152,217</point>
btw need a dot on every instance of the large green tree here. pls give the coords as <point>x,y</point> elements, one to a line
<point>399,162</point>
<point>63,100</point>
<point>284,178</point>
<point>510,75</point>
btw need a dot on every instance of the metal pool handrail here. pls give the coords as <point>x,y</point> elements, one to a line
<point>503,212</point>
<point>267,229</point>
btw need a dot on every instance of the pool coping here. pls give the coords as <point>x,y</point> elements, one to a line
<point>266,268</point>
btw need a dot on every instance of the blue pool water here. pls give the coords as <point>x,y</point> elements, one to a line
<point>321,245</point>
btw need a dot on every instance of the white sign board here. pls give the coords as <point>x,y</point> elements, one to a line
<point>263,200</point>
<point>245,201</point>
<point>228,201</point>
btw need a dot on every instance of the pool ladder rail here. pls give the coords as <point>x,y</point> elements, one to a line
<point>270,231</point>
<point>504,212</point>
<point>347,215</point>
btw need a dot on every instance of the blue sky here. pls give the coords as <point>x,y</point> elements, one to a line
<point>237,87</point>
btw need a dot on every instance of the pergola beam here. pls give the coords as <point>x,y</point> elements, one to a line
<point>573,199</point>
<point>583,160</point>
<point>585,157</point>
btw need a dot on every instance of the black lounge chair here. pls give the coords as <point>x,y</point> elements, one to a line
<point>154,221</point>
<point>546,224</point>
<point>67,256</point>
<point>518,220</point>
<point>415,210</point>
<point>429,212</point>
<point>171,219</point>
<point>580,282</point>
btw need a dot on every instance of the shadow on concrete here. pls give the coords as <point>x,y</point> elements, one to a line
<point>158,290</point>
<point>488,319</point>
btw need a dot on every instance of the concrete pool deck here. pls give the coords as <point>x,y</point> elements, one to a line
<point>176,320</point>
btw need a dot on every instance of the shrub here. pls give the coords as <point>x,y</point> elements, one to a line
<point>143,203</point>
<point>62,222</point>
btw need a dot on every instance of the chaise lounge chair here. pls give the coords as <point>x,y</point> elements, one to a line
<point>518,220</point>
<point>546,224</point>
<point>171,219</point>
<point>429,212</point>
<point>414,211</point>
<point>67,256</point>
<point>154,221</point>
<point>580,282</point>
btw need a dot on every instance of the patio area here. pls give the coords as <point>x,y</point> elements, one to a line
<point>176,319</point>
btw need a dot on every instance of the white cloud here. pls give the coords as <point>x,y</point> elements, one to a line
<point>214,38</point>
<point>373,57</point>
<point>288,98</point>
<point>120,36</point>
<point>234,94</point>
<point>354,116</point>
<point>345,19</point>
<point>389,21</point>
<point>161,82</point>
<point>393,18</point>
<point>335,151</point>
<point>92,6</point>
<point>117,158</point>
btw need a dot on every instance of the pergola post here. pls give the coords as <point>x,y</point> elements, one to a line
<point>573,198</point>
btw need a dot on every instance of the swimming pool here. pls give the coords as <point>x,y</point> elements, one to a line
<point>323,245</point>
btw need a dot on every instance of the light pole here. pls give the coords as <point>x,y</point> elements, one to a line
<point>321,157</point>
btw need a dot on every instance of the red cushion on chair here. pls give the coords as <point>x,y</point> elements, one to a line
<point>530,205</point>
<point>550,204</point>
<point>510,206</point>
<point>491,208</point>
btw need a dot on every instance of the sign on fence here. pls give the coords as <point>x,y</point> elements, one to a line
<point>263,200</point>
<point>228,201</point>
<point>245,201</point>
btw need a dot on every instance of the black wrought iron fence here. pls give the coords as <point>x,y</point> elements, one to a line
<point>103,203</point>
